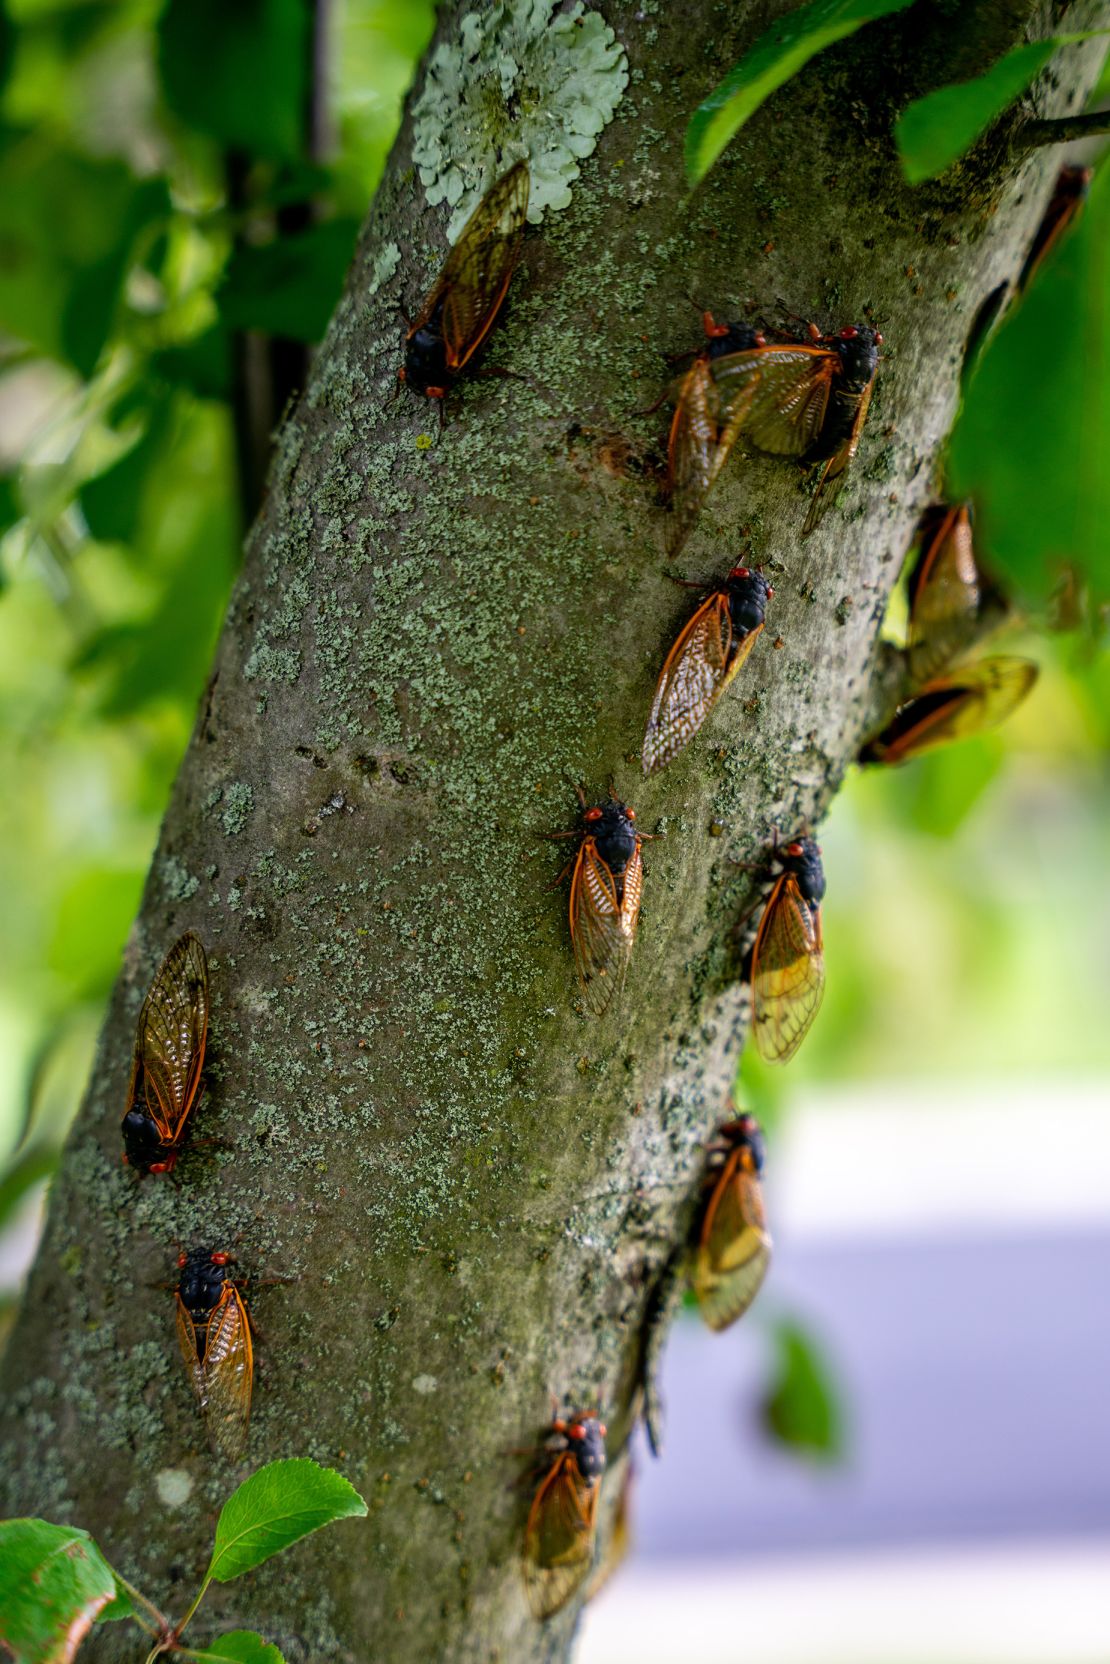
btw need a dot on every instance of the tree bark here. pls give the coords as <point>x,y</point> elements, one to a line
<point>476,1185</point>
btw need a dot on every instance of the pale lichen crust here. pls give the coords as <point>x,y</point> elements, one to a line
<point>518,82</point>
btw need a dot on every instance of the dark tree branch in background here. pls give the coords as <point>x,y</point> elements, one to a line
<point>267,372</point>
<point>479,1188</point>
<point>1067,128</point>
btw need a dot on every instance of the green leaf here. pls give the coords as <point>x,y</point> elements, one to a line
<point>801,1408</point>
<point>935,131</point>
<point>275,1507</point>
<point>238,72</point>
<point>1032,439</point>
<point>62,272</point>
<point>10,509</point>
<point>202,365</point>
<point>289,287</point>
<point>240,1646</point>
<point>94,913</point>
<point>112,501</point>
<point>53,1585</point>
<point>777,55</point>
<point>25,1171</point>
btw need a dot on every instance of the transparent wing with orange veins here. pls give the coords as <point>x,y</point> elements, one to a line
<point>734,1247</point>
<point>479,268</point>
<point>703,432</point>
<point>187,1340</point>
<point>229,1374</point>
<point>955,707</point>
<point>603,927</point>
<point>788,972</point>
<point>559,1537</point>
<point>699,668</point>
<point>944,593</point>
<point>778,396</point>
<point>837,463</point>
<point>171,1037</point>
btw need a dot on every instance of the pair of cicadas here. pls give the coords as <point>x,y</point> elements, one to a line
<point>466,298</point>
<point>561,1529</point>
<point>807,399</point>
<point>214,1332</point>
<point>944,598</point>
<point>168,1059</point>
<point>606,887</point>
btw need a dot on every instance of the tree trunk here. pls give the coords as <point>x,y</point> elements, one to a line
<point>476,1185</point>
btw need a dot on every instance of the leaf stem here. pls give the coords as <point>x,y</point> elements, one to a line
<point>179,1628</point>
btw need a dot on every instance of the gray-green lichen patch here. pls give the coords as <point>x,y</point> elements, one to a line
<point>517,82</point>
<point>238,803</point>
<point>383,264</point>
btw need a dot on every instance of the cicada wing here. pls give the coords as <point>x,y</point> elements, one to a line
<point>603,924</point>
<point>955,707</point>
<point>692,462</point>
<point>944,593</point>
<point>698,669</point>
<point>479,268</point>
<point>559,1537</point>
<point>229,1374</point>
<point>171,1036</point>
<point>788,972</point>
<point>616,1550</point>
<point>778,396</point>
<point>734,1246</point>
<point>838,462</point>
<point>187,1340</point>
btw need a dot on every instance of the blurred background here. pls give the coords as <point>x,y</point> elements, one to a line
<point>900,1455</point>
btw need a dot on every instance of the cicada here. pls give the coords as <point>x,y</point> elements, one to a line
<point>787,959</point>
<point>805,399</point>
<point>966,702</point>
<point>562,1520</point>
<point>459,313</point>
<point>606,886</point>
<point>214,1332</point>
<point>1068,197</point>
<point>943,590</point>
<point>703,428</point>
<point>701,664</point>
<point>169,1058</point>
<point>733,1245</point>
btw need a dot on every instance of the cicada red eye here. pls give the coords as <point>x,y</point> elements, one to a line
<point>559,1535</point>
<point>954,707</point>
<point>180,1260</point>
<point>214,1333</point>
<point>168,1060</point>
<point>592,814</point>
<point>631,813</point>
<point>850,333</point>
<point>733,1243</point>
<point>460,311</point>
<point>708,653</point>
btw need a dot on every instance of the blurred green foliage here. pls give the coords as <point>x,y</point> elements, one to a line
<point>161,192</point>
<point>173,173</point>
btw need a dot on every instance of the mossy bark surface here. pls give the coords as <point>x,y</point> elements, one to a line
<point>475,1184</point>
